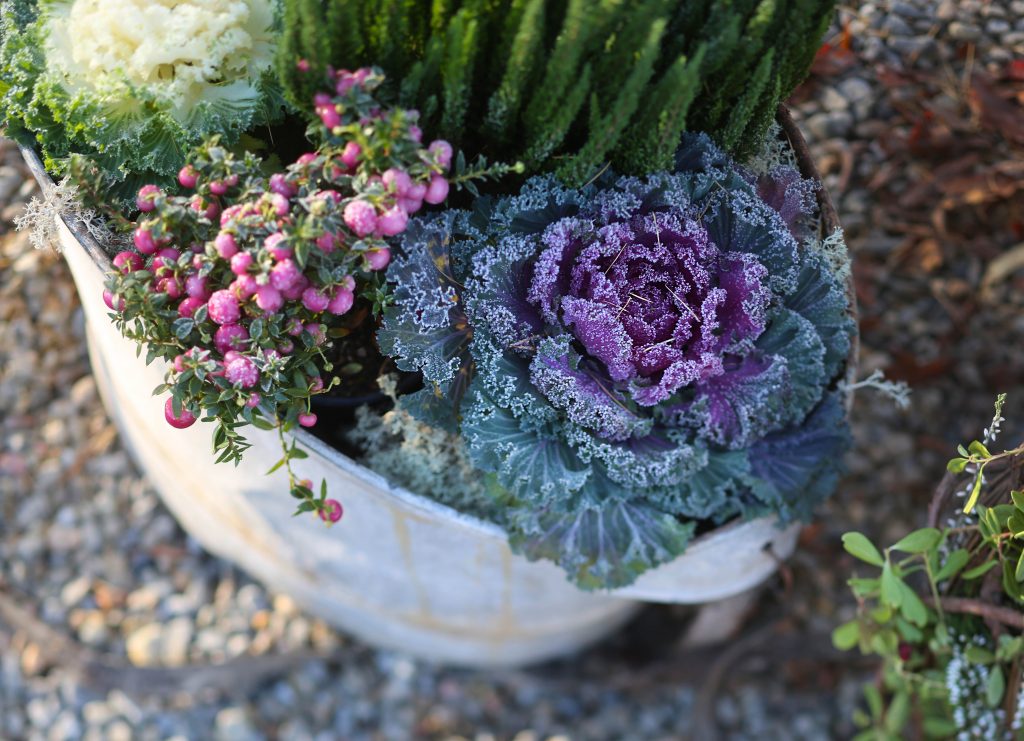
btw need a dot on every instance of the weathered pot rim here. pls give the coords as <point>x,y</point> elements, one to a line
<point>430,507</point>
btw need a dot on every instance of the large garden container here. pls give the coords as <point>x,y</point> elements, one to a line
<point>400,570</point>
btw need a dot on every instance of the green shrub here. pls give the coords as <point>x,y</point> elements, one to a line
<point>568,84</point>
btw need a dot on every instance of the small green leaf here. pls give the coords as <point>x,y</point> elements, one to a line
<point>919,541</point>
<point>979,655</point>
<point>975,493</point>
<point>874,698</point>
<point>956,465</point>
<point>1015,523</point>
<point>262,424</point>
<point>859,546</point>
<point>1018,499</point>
<point>892,587</point>
<point>978,449</point>
<point>276,466</point>
<point>995,687</point>
<point>1010,584</point>
<point>846,636</point>
<point>962,450</point>
<point>1019,572</point>
<point>979,571</point>
<point>898,713</point>
<point>954,562</point>
<point>936,727</point>
<point>912,607</point>
<point>864,587</point>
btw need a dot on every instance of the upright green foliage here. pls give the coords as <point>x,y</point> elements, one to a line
<point>569,85</point>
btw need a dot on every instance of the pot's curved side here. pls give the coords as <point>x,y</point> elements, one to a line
<point>392,574</point>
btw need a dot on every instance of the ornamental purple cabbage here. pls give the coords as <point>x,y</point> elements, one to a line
<point>632,357</point>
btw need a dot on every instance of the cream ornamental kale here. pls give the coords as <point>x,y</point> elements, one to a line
<point>131,85</point>
<point>633,357</point>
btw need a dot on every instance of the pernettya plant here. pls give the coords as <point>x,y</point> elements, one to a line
<point>74,81</point>
<point>630,358</point>
<point>569,85</point>
<point>243,284</point>
<point>946,613</point>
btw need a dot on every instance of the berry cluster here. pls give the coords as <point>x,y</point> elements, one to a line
<point>241,284</point>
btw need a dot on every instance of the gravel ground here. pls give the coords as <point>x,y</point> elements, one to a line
<point>110,617</point>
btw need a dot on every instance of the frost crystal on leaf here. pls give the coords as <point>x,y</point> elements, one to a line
<point>636,354</point>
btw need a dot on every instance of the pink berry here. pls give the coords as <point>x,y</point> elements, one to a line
<point>285,347</point>
<point>341,301</point>
<point>329,116</point>
<point>316,385</point>
<point>231,180</point>
<point>379,258</point>
<point>226,245</point>
<point>218,187</point>
<point>144,200</point>
<point>144,241</point>
<point>285,274</point>
<point>280,204</point>
<point>230,337</point>
<point>437,191</point>
<point>307,420</point>
<point>321,99</point>
<point>243,372</point>
<point>223,307</point>
<point>331,512</point>
<point>330,195</point>
<point>410,205</point>
<point>350,154</point>
<point>108,299</point>
<point>170,286</point>
<point>317,330</point>
<point>244,286</point>
<point>185,419</point>
<point>307,159</point>
<point>188,177</point>
<point>209,209</point>
<point>279,184</point>
<point>276,247</point>
<point>327,242</point>
<point>179,364</point>
<point>253,401</point>
<point>441,152</point>
<point>195,286</point>
<point>393,221</point>
<point>294,292</point>
<point>128,262</point>
<point>360,217</point>
<point>241,263</point>
<point>269,299</point>
<point>315,300</point>
<point>397,180</point>
<point>416,133</point>
<point>189,306</point>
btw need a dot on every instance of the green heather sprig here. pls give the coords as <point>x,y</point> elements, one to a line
<point>570,85</point>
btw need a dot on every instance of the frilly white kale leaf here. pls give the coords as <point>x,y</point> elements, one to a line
<point>645,352</point>
<point>132,85</point>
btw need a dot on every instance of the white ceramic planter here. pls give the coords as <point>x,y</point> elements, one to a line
<point>400,570</point>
